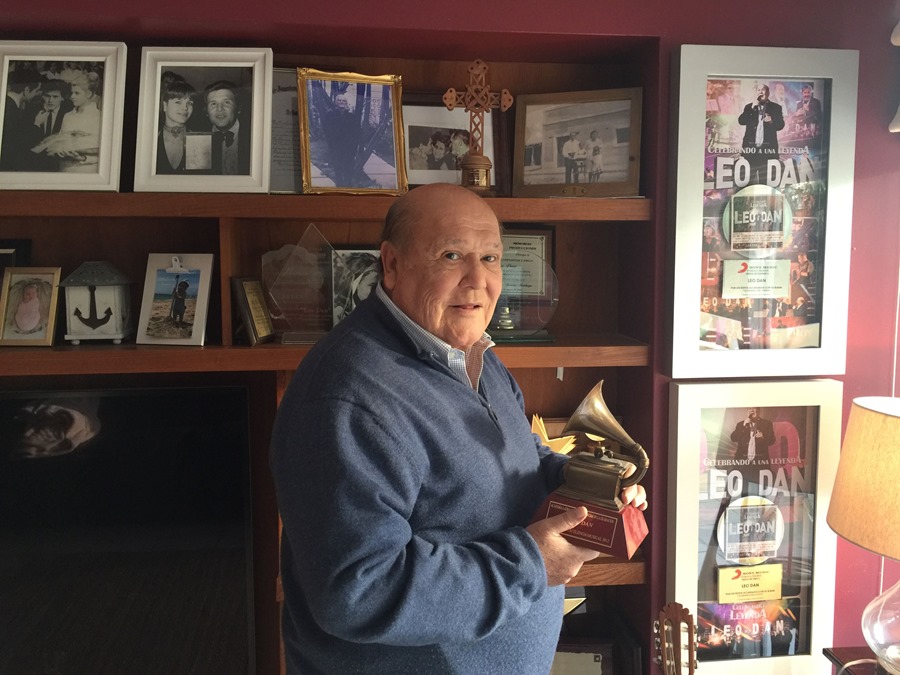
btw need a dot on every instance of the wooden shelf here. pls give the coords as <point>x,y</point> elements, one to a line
<point>611,572</point>
<point>318,207</point>
<point>105,358</point>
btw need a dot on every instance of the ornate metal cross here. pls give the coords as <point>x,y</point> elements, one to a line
<point>476,100</point>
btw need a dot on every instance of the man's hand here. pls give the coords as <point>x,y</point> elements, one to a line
<point>635,495</point>
<point>561,559</point>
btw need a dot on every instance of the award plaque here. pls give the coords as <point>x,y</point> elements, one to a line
<point>297,279</point>
<point>530,288</point>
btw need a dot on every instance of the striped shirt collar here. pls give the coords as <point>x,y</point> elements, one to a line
<point>466,365</point>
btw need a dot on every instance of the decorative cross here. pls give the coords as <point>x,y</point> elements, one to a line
<point>477,99</point>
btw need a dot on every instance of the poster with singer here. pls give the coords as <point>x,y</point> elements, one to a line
<point>757,508</point>
<point>764,218</point>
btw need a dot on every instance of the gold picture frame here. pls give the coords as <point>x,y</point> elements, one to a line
<point>28,301</point>
<point>349,141</point>
<point>604,128</point>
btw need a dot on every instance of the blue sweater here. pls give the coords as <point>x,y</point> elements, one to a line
<point>404,495</point>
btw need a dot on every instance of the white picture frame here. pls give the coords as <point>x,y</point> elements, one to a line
<point>81,153</point>
<point>813,176</point>
<point>186,160</point>
<point>791,480</point>
<point>159,321</point>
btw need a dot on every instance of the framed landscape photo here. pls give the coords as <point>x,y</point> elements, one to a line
<point>204,120</point>
<point>578,144</point>
<point>750,554</point>
<point>354,274</point>
<point>437,139</point>
<point>763,206</point>
<point>351,136</point>
<point>28,302</point>
<point>62,123</point>
<point>176,299</point>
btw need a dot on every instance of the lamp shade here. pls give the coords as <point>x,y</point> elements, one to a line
<point>865,503</point>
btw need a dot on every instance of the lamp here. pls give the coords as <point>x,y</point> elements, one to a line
<point>865,509</point>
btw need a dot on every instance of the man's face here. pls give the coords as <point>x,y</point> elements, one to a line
<point>221,108</point>
<point>752,413</point>
<point>807,93</point>
<point>447,276</point>
<point>762,93</point>
<point>439,150</point>
<point>52,100</point>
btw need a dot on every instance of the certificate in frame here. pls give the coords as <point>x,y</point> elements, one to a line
<point>762,235</point>
<point>750,552</point>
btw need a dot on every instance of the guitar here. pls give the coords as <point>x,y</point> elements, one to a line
<point>676,640</point>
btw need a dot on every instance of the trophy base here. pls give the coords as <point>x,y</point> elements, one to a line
<point>615,533</point>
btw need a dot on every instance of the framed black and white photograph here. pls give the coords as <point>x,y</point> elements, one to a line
<point>437,139</point>
<point>204,120</point>
<point>176,299</point>
<point>578,144</point>
<point>62,121</point>
<point>28,301</point>
<point>354,275</point>
<point>351,133</point>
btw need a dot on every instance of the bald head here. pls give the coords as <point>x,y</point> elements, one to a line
<point>420,206</point>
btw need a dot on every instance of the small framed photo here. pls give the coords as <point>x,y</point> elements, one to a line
<point>354,274</point>
<point>28,302</point>
<point>204,120</point>
<point>351,134</point>
<point>62,123</point>
<point>176,299</point>
<point>751,472</point>
<point>250,302</point>
<point>437,139</point>
<point>578,144</point>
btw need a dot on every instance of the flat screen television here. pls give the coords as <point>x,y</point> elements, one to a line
<point>125,531</point>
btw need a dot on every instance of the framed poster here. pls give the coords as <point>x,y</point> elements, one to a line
<point>176,299</point>
<point>764,171</point>
<point>578,144</point>
<point>750,554</point>
<point>204,120</point>
<point>62,123</point>
<point>351,134</point>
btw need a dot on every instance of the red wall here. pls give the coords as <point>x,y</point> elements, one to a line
<point>515,29</point>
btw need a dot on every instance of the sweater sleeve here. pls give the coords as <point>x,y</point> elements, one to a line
<point>348,490</point>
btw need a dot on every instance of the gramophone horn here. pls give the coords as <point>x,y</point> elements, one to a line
<point>593,417</point>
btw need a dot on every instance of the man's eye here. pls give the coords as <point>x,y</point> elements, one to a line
<point>452,255</point>
<point>491,258</point>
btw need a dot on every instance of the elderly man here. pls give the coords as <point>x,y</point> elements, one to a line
<point>406,472</point>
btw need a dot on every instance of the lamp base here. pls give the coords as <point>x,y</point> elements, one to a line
<point>615,533</point>
<point>881,628</point>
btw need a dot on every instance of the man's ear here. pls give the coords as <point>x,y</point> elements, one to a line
<point>389,263</point>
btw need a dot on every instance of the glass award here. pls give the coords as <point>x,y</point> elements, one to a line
<point>528,301</point>
<point>297,280</point>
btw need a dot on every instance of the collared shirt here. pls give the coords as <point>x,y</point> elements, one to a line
<point>465,365</point>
